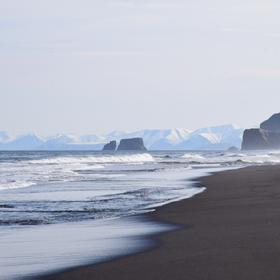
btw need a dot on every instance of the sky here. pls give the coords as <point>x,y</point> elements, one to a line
<point>92,66</point>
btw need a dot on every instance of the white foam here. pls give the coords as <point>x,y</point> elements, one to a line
<point>56,247</point>
<point>64,168</point>
<point>230,158</point>
<point>194,158</point>
<point>190,193</point>
<point>15,185</point>
<point>131,158</point>
<point>260,159</point>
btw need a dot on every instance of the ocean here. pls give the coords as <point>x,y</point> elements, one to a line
<point>65,209</point>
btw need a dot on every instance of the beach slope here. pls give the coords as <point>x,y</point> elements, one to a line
<point>231,231</point>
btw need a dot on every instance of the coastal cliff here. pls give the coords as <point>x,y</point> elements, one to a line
<point>272,124</point>
<point>266,137</point>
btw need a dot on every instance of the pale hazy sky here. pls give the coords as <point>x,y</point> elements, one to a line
<point>88,66</point>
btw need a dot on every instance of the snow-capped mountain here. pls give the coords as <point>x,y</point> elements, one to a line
<point>213,138</point>
<point>73,142</point>
<point>210,138</point>
<point>58,142</point>
<point>155,138</point>
<point>24,142</point>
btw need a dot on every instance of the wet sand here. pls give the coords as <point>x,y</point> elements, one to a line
<point>230,231</point>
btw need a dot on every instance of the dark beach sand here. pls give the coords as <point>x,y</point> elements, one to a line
<point>231,231</point>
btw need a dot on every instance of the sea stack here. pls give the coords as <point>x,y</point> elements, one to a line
<point>110,147</point>
<point>233,149</point>
<point>132,144</point>
<point>267,137</point>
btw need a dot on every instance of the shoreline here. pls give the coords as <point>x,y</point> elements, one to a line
<point>60,247</point>
<point>149,240</point>
<point>229,231</point>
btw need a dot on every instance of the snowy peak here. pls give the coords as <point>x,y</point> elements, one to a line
<point>177,135</point>
<point>63,138</point>
<point>221,129</point>
<point>24,142</point>
<point>217,134</point>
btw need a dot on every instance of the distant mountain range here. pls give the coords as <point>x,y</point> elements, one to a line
<point>210,138</point>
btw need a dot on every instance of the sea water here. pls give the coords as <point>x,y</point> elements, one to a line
<point>65,209</point>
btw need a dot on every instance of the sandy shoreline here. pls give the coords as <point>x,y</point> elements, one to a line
<point>230,231</point>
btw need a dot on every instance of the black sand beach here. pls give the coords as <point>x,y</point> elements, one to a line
<point>231,231</point>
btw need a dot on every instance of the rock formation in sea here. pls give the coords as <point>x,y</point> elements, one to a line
<point>111,146</point>
<point>267,137</point>
<point>233,149</point>
<point>132,144</point>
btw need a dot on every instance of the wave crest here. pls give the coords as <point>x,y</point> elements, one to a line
<point>131,158</point>
<point>194,158</point>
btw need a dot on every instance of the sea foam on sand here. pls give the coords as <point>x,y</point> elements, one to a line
<point>34,251</point>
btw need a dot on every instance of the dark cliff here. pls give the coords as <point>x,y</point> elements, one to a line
<point>112,146</point>
<point>272,124</point>
<point>267,137</point>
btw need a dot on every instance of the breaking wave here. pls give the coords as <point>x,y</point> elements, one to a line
<point>68,168</point>
<point>15,185</point>
<point>194,158</point>
<point>229,159</point>
<point>129,158</point>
